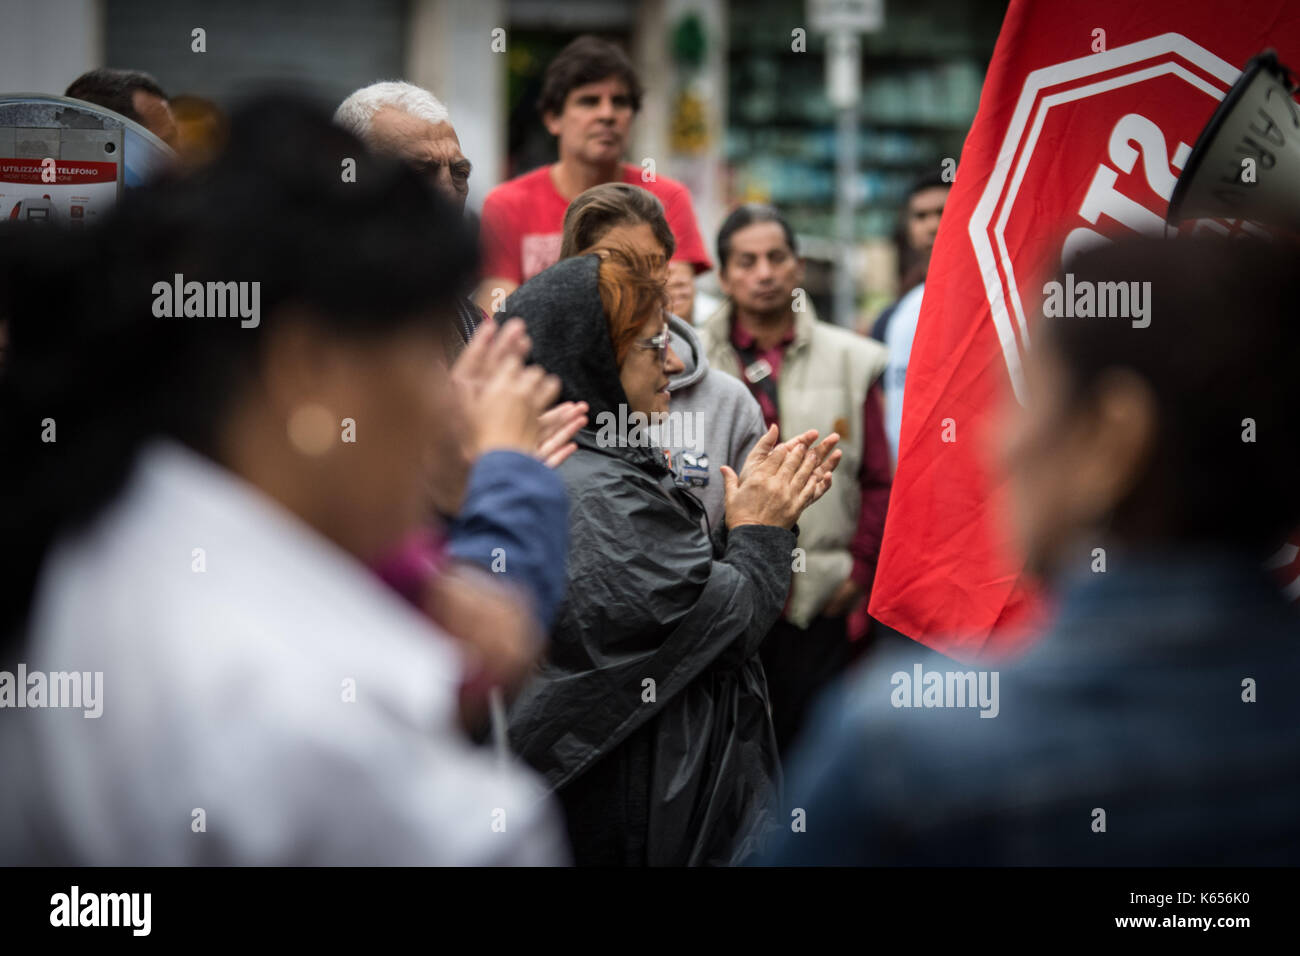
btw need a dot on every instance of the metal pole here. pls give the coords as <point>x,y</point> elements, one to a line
<point>844,82</point>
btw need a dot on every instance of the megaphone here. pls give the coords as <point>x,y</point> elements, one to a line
<point>1246,162</point>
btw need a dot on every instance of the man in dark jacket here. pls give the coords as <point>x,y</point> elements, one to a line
<point>650,713</point>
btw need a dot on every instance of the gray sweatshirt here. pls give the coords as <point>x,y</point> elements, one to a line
<point>712,414</point>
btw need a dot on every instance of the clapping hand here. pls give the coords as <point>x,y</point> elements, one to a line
<point>780,479</point>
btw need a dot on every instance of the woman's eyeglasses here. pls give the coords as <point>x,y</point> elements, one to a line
<point>659,344</point>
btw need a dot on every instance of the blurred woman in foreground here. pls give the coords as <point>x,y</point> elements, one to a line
<point>1152,474</point>
<point>198,527</point>
<point>650,713</point>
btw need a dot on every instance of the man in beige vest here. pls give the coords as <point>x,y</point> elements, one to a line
<point>805,374</point>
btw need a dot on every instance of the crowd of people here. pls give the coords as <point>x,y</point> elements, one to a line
<point>396,574</point>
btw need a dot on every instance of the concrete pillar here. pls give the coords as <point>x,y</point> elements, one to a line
<point>702,174</point>
<point>449,53</point>
<point>45,46</point>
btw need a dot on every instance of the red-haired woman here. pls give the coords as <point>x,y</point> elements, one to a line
<point>650,714</point>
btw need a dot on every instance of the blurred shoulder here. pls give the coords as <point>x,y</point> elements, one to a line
<point>914,732</point>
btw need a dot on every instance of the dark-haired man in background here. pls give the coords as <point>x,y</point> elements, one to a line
<point>133,94</point>
<point>589,96</point>
<point>805,374</point>
<point>917,229</point>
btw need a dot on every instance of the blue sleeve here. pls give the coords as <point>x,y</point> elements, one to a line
<point>515,522</point>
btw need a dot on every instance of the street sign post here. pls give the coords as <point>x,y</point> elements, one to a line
<point>843,22</point>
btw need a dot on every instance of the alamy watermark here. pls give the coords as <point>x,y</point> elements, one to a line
<point>75,689</point>
<point>923,688</point>
<point>1102,300</point>
<point>208,300</point>
<point>75,909</point>
<point>639,430</point>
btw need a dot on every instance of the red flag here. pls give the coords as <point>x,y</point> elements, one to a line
<point>1087,115</point>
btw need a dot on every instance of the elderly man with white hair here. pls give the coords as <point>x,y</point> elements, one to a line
<point>506,513</point>
<point>410,124</point>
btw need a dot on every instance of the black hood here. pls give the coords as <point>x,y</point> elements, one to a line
<point>566,321</point>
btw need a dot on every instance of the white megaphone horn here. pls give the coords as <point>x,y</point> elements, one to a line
<point>1246,163</point>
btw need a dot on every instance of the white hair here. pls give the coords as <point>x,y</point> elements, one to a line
<point>356,112</point>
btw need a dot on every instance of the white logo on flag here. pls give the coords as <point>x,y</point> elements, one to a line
<point>1043,89</point>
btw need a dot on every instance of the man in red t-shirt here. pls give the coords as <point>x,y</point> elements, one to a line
<point>589,96</point>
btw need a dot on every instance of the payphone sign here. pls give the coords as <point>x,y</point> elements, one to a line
<point>64,190</point>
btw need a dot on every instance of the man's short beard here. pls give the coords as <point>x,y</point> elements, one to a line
<point>778,311</point>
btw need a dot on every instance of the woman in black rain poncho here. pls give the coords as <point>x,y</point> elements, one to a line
<point>650,714</point>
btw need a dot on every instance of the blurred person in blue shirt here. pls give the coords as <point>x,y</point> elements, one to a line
<point>1152,471</point>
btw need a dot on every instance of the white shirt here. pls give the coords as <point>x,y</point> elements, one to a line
<point>898,338</point>
<point>224,691</point>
